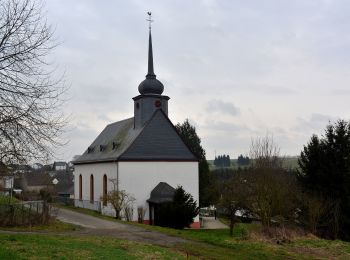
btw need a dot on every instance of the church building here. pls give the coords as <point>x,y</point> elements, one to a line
<point>143,155</point>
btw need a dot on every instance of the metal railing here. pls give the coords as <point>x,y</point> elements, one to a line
<point>25,213</point>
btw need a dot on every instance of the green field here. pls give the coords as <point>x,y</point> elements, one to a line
<point>203,244</point>
<point>244,244</point>
<point>54,226</point>
<point>25,246</point>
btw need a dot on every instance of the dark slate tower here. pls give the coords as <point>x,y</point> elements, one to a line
<point>151,89</point>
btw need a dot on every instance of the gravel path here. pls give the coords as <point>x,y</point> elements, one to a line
<point>101,227</point>
<point>212,223</point>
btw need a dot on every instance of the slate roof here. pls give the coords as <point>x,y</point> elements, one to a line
<point>122,133</point>
<point>163,192</point>
<point>32,179</point>
<point>156,141</point>
<point>38,179</point>
<point>59,164</point>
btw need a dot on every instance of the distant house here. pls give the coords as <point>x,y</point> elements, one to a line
<point>6,179</point>
<point>64,184</point>
<point>60,166</point>
<point>22,168</point>
<point>37,166</point>
<point>34,182</point>
<point>6,182</point>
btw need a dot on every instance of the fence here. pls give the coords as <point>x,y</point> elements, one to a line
<point>25,213</point>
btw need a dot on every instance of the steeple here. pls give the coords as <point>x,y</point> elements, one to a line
<point>150,85</point>
<point>150,73</point>
<point>151,89</point>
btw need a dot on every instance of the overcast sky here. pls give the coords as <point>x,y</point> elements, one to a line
<point>236,69</point>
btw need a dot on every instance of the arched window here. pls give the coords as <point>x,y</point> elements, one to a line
<point>104,195</point>
<point>80,187</point>
<point>91,188</point>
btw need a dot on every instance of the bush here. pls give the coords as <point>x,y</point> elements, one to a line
<point>7,200</point>
<point>46,195</point>
<point>180,212</point>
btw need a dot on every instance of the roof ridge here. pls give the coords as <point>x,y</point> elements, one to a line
<point>119,121</point>
<point>161,112</point>
<point>147,123</point>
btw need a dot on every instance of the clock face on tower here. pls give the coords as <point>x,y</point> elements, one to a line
<point>157,103</point>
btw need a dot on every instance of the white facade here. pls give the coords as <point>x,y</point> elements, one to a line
<point>136,178</point>
<point>6,182</point>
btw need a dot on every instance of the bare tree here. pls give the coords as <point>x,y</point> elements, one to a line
<point>30,123</point>
<point>121,201</point>
<point>272,189</point>
<point>129,208</point>
<point>141,212</point>
<point>234,193</point>
<point>116,198</point>
<point>317,208</point>
<point>265,153</point>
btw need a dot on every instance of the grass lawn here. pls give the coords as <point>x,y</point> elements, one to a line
<point>30,246</point>
<point>218,244</point>
<point>4,200</point>
<point>54,226</point>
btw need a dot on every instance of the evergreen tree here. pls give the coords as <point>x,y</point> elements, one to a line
<point>191,139</point>
<point>222,161</point>
<point>228,162</point>
<point>243,160</point>
<point>180,212</point>
<point>325,169</point>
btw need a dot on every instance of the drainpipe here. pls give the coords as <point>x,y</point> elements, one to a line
<point>117,164</point>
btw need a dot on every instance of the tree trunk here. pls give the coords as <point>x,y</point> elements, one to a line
<point>232,222</point>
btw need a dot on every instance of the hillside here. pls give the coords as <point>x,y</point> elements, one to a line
<point>290,162</point>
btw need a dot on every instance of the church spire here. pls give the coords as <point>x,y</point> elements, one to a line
<point>150,85</point>
<point>150,73</point>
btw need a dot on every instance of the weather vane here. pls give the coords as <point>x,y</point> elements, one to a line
<point>150,21</point>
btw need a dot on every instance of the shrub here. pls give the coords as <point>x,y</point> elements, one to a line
<point>180,212</point>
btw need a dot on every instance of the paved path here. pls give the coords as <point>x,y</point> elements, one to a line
<point>88,221</point>
<point>212,223</point>
<point>100,227</point>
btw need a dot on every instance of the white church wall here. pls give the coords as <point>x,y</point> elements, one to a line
<point>136,178</point>
<point>98,170</point>
<point>140,178</point>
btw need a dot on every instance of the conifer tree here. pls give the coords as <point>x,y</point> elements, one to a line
<point>325,170</point>
<point>191,139</point>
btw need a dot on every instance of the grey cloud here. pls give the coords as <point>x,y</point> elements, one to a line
<point>79,137</point>
<point>341,91</point>
<point>225,127</point>
<point>210,44</point>
<point>268,89</point>
<point>315,123</point>
<point>216,105</point>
